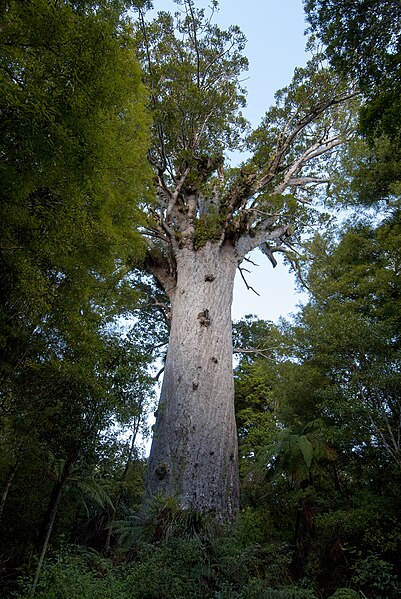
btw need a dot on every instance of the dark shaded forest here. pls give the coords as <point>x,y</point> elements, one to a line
<point>93,149</point>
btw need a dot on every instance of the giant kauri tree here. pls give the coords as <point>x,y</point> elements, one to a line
<point>208,217</point>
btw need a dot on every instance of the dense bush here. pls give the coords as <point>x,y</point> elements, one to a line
<point>182,569</point>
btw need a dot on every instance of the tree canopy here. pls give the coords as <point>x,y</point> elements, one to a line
<point>362,38</point>
<point>362,41</point>
<point>193,70</point>
<point>73,169</point>
<point>74,140</point>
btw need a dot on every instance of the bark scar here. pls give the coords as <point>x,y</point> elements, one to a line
<point>204,318</point>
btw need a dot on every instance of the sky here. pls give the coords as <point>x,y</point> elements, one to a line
<point>276,45</point>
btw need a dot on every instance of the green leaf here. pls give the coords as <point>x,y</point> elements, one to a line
<point>306,448</point>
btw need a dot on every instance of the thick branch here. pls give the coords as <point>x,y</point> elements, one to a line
<point>317,149</point>
<point>173,197</point>
<point>164,309</point>
<point>189,8</point>
<point>253,350</point>
<point>249,185</point>
<point>263,232</point>
<point>301,181</point>
<point>247,243</point>
<point>163,269</point>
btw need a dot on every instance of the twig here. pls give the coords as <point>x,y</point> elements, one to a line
<point>157,376</point>
<point>245,281</point>
<point>250,262</point>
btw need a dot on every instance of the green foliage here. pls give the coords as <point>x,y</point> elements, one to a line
<point>328,469</point>
<point>345,594</point>
<point>251,526</point>
<point>350,332</point>
<point>72,90</point>
<point>181,566</point>
<point>200,558</point>
<point>73,576</point>
<point>375,577</point>
<point>367,524</point>
<point>254,341</point>
<point>208,228</point>
<point>362,38</point>
<point>193,71</point>
<point>195,561</point>
<point>75,133</point>
<point>285,593</point>
<point>363,41</point>
<point>255,590</point>
<point>64,416</point>
<point>164,521</point>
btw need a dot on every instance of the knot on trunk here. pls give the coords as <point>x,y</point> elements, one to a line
<point>161,471</point>
<point>204,318</point>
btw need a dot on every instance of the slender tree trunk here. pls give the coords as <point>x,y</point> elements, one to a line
<point>117,501</point>
<point>7,487</point>
<point>49,519</point>
<point>194,454</point>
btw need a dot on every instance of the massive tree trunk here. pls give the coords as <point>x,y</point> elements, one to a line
<point>194,454</point>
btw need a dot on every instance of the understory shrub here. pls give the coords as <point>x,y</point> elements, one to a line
<point>183,555</point>
<point>376,579</point>
<point>182,568</point>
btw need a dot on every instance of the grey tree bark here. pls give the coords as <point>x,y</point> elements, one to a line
<point>194,454</point>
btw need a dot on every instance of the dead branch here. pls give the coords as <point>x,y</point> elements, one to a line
<point>246,282</point>
<point>253,350</point>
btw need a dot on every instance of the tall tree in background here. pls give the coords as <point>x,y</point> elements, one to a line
<point>73,170</point>
<point>363,41</point>
<point>73,156</point>
<point>209,217</point>
<point>351,331</point>
<point>362,38</point>
<point>319,407</point>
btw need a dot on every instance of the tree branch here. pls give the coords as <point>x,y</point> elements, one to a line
<point>160,131</point>
<point>247,243</point>
<point>173,197</point>
<point>254,182</point>
<point>189,8</point>
<point>253,350</point>
<point>317,149</point>
<point>241,270</point>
